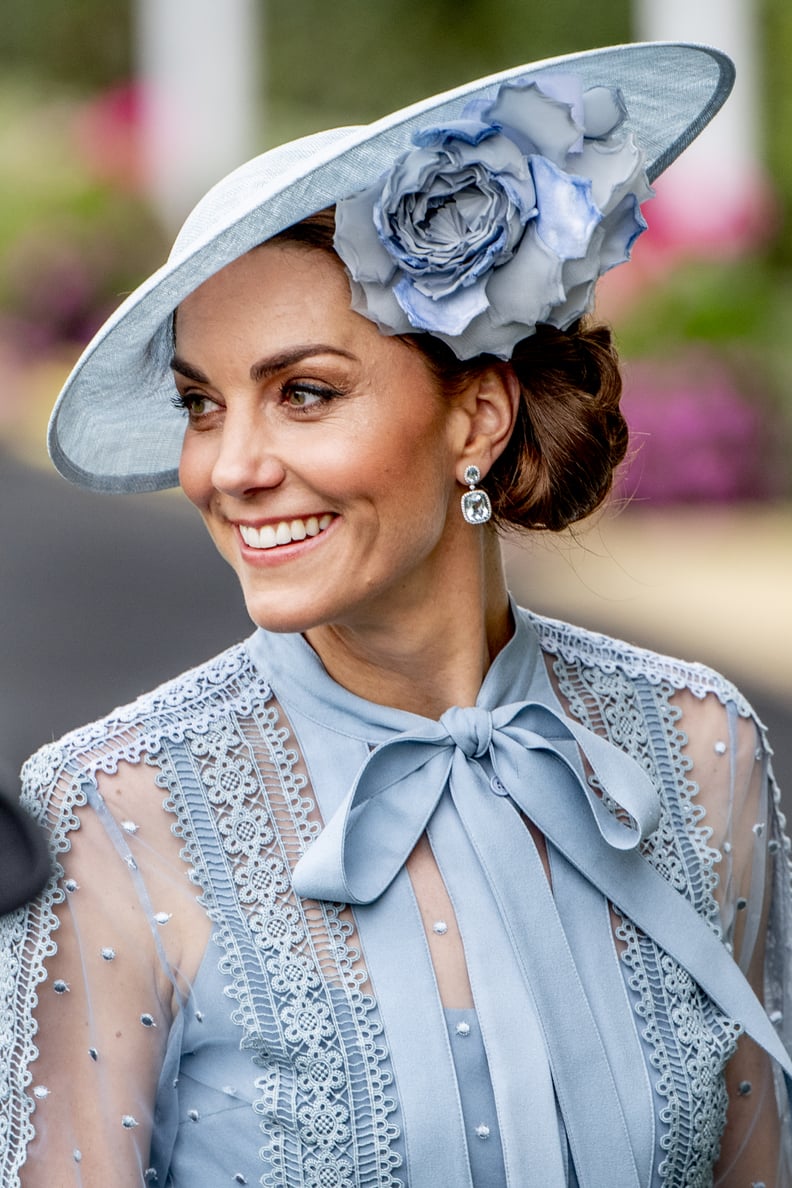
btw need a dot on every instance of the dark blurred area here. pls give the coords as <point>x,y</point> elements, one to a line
<point>24,853</point>
<point>101,598</point>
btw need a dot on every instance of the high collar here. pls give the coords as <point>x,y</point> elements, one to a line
<point>298,677</point>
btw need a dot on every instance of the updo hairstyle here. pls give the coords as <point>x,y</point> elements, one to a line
<point>569,435</point>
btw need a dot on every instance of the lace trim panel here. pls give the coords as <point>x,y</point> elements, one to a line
<point>292,973</point>
<point>322,1089</point>
<point>577,647</point>
<point>689,1038</point>
<point>55,785</point>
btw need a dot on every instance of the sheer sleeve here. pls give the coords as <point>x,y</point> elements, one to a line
<point>739,804</point>
<point>94,976</point>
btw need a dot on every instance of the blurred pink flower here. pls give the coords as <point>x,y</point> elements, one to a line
<point>695,437</point>
<point>107,135</point>
<point>683,231</point>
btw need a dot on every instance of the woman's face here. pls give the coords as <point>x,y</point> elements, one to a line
<point>319,452</point>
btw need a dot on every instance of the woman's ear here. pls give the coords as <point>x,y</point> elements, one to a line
<point>491,402</point>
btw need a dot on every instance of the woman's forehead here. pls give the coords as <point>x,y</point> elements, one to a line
<point>274,301</point>
<point>273,276</point>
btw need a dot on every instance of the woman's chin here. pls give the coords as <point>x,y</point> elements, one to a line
<point>282,622</point>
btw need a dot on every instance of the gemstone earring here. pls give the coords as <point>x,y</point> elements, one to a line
<point>476,506</point>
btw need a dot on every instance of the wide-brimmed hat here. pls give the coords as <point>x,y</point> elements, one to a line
<point>114,427</point>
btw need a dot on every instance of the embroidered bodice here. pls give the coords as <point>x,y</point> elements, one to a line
<point>191,1003</point>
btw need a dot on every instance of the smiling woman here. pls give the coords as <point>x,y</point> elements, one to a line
<point>308,414</point>
<point>414,887</point>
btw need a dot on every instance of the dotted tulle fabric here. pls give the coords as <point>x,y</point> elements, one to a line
<point>171,1012</point>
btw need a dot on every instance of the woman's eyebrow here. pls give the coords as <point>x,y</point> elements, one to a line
<point>186,369</point>
<point>264,367</point>
<point>267,367</point>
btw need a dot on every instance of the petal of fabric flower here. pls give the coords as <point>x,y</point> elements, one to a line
<point>604,111</point>
<point>585,268</point>
<point>614,168</point>
<point>567,215</point>
<point>472,131</point>
<point>357,242</point>
<point>622,228</point>
<point>447,315</point>
<point>498,155</point>
<point>540,120</point>
<point>378,303</point>
<point>482,336</point>
<point>526,289</point>
<point>579,300</point>
<point>610,245</point>
<point>495,339</point>
<point>579,279</point>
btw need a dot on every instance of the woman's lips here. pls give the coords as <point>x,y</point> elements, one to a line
<point>285,532</point>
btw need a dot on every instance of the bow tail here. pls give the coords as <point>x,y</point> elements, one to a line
<point>549,794</point>
<point>585,1086</point>
<point>534,1148</point>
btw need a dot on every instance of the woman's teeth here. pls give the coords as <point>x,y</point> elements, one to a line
<point>283,533</point>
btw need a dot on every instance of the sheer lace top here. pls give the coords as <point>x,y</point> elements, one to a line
<point>173,1011</point>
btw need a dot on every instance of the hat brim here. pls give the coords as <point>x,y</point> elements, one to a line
<point>114,427</point>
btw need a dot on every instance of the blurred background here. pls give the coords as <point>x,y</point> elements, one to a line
<point>115,117</point>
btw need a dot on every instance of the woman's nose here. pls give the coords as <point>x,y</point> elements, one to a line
<point>246,460</point>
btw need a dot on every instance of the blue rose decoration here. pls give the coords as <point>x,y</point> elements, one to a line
<point>499,220</point>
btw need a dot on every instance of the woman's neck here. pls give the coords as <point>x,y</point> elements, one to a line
<point>425,657</point>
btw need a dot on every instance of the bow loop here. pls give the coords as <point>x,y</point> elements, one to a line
<point>470,729</point>
<point>530,746</point>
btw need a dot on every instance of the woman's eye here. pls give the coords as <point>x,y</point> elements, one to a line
<point>303,397</point>
<point>195,404</point>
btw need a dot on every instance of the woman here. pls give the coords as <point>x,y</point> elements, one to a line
<point>412,887</point>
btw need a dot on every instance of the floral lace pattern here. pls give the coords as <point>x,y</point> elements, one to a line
<point>691,1042</point>
<point>291,972</point>
<point>289,965</point>
<point>55,784</point>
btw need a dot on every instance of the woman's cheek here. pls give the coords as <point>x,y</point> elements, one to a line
<point>195,471</point>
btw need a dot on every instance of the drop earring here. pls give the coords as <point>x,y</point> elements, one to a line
<point>476,506</point>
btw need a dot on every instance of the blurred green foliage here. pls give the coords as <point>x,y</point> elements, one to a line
<point>356,60</point>
<point>78,44</point>
<point>355,56</point>
<point>776,42</point>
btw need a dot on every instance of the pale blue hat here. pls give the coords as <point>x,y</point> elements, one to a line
<point>114,427</point>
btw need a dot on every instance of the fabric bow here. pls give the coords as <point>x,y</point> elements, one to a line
<point>516,751</point>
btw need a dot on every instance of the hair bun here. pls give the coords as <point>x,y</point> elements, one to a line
<point>570,434</point>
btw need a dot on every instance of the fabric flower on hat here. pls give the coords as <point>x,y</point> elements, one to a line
<point>499,220</point>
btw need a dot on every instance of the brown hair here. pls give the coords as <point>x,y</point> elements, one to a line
<point>569,435</point>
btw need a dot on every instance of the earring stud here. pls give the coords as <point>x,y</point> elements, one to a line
<point>476,506</point>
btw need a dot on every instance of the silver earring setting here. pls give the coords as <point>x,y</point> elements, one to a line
<point>476,506</point>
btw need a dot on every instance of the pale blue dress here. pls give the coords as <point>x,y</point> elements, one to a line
<point>240,810</point>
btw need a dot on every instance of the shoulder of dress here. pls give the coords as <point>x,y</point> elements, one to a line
<point>577,646</point>
<point>195,699</point>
